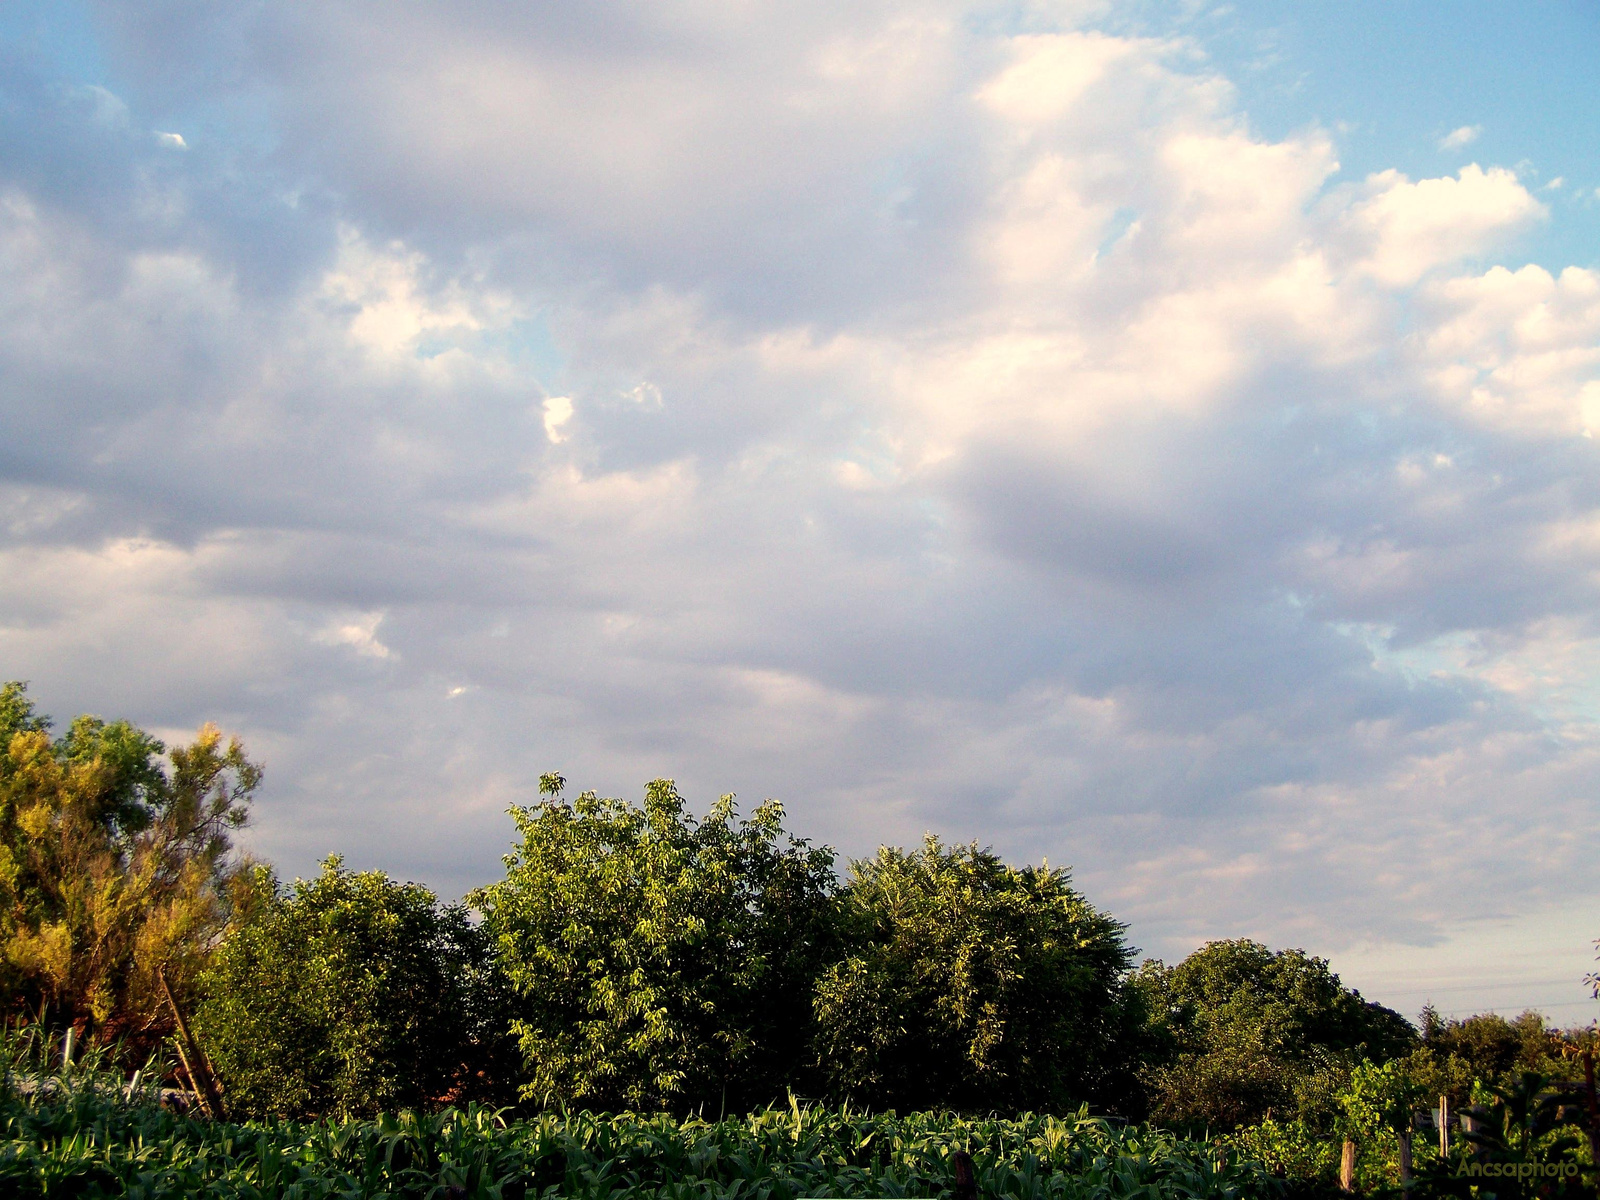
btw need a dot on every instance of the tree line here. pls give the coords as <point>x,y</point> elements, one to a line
<point>637,957</point>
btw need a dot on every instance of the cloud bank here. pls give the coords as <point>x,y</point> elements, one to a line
<point>933,419</point>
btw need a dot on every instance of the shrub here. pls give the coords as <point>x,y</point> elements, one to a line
<point>349,993</point>
<point>659,962</point>
<point>972,985</point>
<point>1257,1033</point>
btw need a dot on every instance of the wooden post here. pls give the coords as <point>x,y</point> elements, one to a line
<point>1444,1128</point>
<point>1347,1166</point>
<point>966,1187</point>
<point>194,1080</point>
<point>1405,1160</point>
<point>194,1059</point>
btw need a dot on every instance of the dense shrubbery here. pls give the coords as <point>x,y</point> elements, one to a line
<point>659,962</point>
<point>968,984</point>
<point>634,957</point>
<point>1251,1033</point>
<point>350,994</point>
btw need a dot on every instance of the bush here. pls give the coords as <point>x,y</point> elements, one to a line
<point>97,1144</point>
<point>1256,1033</point>
<point>349,994</point>
<point>972,985</point>
<point>659,962</point>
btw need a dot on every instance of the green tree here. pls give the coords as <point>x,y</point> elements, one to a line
<point>113,864</point>
<point>349,994</point>
<point>659,962</point>
<point>1255,1032</point>
<point>973,985</point>
<point>1491,1046</point>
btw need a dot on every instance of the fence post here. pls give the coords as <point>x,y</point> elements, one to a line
<point>1405,1160</point>
<point>1347,1166</point>
<point>966,1187</point>
<point>1444,1128</point>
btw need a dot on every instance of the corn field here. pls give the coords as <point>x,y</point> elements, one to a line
<point>82,1131</point>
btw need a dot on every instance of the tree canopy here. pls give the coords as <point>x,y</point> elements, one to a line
<point>350,993</point>
<point>970,984</point>
<point>659,962</point>
<point>1253,1031</point>
<point>113,863</point>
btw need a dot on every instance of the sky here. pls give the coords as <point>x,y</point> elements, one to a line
<point>1151,438</point>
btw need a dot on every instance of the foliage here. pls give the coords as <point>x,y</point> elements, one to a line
<point>1493,1049</point>
<point>1527,1120</point>
<point>1290,1149</point>
<point>973,985</point>
<point>659,962</point>
<point>350,993</point>
<point>112,864</point>
<point>1257,1033</point>
<point>96,1142</point>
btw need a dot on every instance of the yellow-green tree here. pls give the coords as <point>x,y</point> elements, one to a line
<point>116,861</point>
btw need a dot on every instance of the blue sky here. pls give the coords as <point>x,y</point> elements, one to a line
<point>1399,77</point>
<point>1157,437</point>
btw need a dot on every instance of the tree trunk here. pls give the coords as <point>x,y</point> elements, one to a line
<point>194,1059</point>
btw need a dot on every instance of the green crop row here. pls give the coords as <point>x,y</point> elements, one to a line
<point>79,1137</point>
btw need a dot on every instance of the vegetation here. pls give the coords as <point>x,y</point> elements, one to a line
<point>972,985</point>
<point>113,865</point>
<point>659,962</point>
<point>1253,1033</point>
<point>350,994</point>
<point>85,1139</point>
<point>634,958</point>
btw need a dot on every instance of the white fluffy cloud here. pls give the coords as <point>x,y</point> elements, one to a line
<point>931,423</point>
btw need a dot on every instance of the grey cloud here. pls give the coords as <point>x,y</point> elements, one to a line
<point>1151,627</point>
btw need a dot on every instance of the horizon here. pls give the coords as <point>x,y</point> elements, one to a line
<point>1154,437</point>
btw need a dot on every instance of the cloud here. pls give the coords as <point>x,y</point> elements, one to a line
<point>981,430</point>
<point>1412,228</point>
<point>174,140</point>
<point>557,412</point>
<point>1458,139</point>
<point>359,632</point>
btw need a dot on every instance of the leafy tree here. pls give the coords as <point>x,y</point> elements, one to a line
<point>973,985</point>
<point>1491,1046</point>
<point>1256,1032</point>
<point>659,962</point>
<point>350,993</point>
<point>113,864</point>
<point>1459,1057</point>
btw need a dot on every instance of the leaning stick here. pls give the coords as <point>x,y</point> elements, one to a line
<point>194,1060</point>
